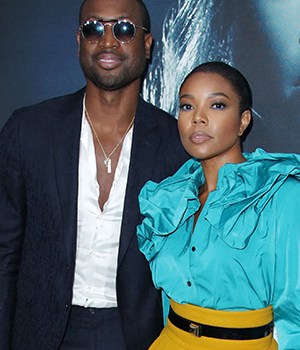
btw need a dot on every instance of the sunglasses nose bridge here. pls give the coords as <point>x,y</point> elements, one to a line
<point>108,38</point>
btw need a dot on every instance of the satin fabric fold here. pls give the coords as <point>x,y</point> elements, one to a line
<point>244,252</point>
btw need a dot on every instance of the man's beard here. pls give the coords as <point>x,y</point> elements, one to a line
<point>112,82</point>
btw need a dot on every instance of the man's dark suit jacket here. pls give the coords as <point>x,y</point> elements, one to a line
<point>39,153</point>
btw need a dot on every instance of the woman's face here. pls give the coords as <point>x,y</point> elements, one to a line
<point>209,122</point>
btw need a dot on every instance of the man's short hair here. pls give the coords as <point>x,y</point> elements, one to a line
<point>146,22</point>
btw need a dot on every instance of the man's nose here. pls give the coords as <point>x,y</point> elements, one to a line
<point>108,39</point>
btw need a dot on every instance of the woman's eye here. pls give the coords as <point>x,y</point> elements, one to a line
<point>219,105</point>
<point>185,107</point>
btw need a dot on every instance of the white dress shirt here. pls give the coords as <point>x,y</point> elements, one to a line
<point>98,232</point>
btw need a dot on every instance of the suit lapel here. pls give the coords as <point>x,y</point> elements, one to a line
<point>66,131</point>
<point>143,154</point>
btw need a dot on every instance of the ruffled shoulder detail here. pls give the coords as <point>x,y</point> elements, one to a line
<point>166,205</point>
<point>244,190</point>
<point>233,209</point>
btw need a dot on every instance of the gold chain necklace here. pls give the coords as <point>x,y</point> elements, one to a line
<point>107,158</point>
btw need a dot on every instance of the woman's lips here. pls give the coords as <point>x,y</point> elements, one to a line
<point>200,137</point>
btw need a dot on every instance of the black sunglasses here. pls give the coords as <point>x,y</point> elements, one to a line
<point>123,30</point>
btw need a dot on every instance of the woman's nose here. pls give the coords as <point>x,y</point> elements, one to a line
<point>199,118</point>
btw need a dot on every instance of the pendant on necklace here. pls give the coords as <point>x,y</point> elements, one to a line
<point>107,163</point>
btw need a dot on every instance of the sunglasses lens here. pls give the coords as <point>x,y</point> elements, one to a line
<point>124,31</point>
<point>92,31</point>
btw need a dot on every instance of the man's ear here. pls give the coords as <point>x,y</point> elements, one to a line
<point>148,40</point>
<point>78,38</point>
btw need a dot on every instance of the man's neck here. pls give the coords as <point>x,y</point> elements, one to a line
<point>112,107</point>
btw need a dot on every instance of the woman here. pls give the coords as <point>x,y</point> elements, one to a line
<point>222,234</point>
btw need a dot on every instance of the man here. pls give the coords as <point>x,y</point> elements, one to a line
<point>71,168</point>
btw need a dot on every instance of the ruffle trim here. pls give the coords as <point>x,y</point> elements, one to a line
<point>242,192</point>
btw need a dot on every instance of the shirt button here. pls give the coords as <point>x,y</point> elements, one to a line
<point>193,249</point>
<point>189,283</point>
<point>67,306</point>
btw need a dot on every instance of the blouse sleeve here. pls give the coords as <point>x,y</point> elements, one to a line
<point>287,266</point>
<point>165,206</point>
<point>150,240</point>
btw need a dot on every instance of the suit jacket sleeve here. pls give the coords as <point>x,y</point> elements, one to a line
<point>12,218</point>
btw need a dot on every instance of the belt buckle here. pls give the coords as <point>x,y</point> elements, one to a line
<point>195,329</point>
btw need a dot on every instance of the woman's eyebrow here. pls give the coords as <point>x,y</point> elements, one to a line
<point>214,94</point>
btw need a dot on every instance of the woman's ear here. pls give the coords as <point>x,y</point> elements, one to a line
<point>245,121</point>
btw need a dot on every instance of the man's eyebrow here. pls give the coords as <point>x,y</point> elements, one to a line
<point>115,19</point>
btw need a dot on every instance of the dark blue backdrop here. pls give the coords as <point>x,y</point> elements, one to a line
<point>262,39</point>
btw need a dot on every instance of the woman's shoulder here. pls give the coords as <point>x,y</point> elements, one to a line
<point>245,190</point>
<point>279,161</point>
<point>173,185</point>
<point>272,168</point>
<point>167,204</point>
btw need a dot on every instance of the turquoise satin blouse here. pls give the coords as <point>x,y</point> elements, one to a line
<point>244,252</point>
